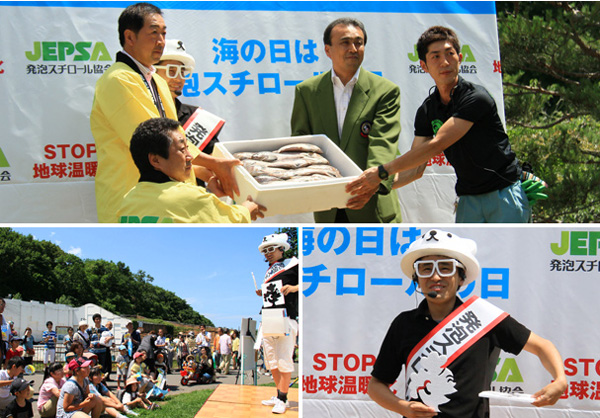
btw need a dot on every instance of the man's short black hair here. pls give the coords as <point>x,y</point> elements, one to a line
<point>49,323</point>
<point>434,34</point>
<point>133,18</point>
<point>96,315</point>
<point>346,21</point>
<point>152,137</point>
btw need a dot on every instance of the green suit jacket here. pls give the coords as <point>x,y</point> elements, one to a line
<point>369,136</point>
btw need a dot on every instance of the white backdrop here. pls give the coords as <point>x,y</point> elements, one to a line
<point>249,56</point>
<point>546,278</point>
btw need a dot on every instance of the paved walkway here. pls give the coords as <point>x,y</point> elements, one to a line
<point>173,382</point>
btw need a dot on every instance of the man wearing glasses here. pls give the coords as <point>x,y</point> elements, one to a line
<point>447,381</point>
<point>279,292</point>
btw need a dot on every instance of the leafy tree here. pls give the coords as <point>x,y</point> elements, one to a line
<point>551,68</point>
<point>292,239</point>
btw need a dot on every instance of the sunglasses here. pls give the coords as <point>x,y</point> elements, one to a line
<point>269,250</point>
<point>175,71</point>
<point>444,268</point>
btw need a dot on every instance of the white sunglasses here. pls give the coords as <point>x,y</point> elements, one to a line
<point>269,250</point>
<point>175,71</point>
<point>445,268</point>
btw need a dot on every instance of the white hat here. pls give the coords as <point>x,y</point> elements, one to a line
<point>279,240</point>
<point>438,242</point>
<point>82,323</point>
<point>175,50</point>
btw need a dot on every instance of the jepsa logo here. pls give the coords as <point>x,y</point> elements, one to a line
<point>577,243</point>
<point>60,51</point>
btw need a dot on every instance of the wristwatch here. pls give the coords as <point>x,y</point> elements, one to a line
<point>383,174</point>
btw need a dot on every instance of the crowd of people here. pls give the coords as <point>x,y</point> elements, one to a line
<point>76,385</point>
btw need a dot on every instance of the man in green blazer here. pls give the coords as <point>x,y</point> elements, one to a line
<point>359,111</point>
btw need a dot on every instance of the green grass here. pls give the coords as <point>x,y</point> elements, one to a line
<point>184,405</point>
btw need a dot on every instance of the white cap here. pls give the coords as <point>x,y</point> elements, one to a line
<point>438,242</point>
<point>279,240</point>
<point>175,50</point>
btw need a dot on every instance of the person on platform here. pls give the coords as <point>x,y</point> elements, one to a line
<point>279,291</point>
<point>359,111</point>
<point>447,383</point>
<point>129,93</point>
<point>460,119</point>
<point>160,151</point>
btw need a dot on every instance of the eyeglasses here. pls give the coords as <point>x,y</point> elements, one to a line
<point>269,250</point>
<point>445,268</point>
<point>175,71</point>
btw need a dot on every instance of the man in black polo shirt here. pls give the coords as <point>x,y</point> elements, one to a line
<point>446,372</point>
<point>460,119</point>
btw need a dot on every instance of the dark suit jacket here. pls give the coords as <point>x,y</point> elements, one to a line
<point>369,136</point>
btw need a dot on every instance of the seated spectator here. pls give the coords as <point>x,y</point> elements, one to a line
<point>15,349</point>
<point>160,152</point>
<point>112,404</point>
<point>21,406</point>
<point>133,399</point>
<point>15,367</point>
<point>75,400</point>
<point>50,390</point>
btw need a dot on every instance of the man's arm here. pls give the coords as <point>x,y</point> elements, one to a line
<point>300,122</point>
<point>450,132</point>
<point>552,361</point>
<point>382,395</point>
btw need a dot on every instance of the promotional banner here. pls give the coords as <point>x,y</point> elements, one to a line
<point>546,278</point>
<point>249,57</point>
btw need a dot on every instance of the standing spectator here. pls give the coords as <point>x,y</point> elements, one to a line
<point>131,339</point>
<point>216,351</point>
<point>108,340</point>
<point>182,350</point>
<point>224,350</point>
<point>148,345</point>
<point>54,379</point>
<point>69,339</point>
<point>28,343</point>
<point>122,363</point>
<point>203,339</point>
<point>49,339</point>
<point>235,347</point>
<point>162,347</point>
<point>96,346</point>
<point>15,349</point>
<point>4,331</point>
<point>82,336</point>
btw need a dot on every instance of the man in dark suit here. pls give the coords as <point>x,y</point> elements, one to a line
<point>359,111</point>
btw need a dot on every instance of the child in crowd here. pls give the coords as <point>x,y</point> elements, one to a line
<point>15,349</point>
<point>133,399</point>
<point>112,405</point>
<point>54,379</point>
<point>14,368</point>
<point>122,363</point>
<point>160,364</point>
<point>20,406</point>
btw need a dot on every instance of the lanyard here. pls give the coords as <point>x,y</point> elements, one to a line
<point>121,57</point>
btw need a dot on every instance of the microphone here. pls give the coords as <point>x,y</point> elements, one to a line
<point>431,294</point>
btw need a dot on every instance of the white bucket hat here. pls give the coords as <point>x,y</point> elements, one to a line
<point>279,240</point>
<point>175,50</point>
<point>438,242</point>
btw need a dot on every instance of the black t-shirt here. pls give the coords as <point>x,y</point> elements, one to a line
<point>482,158</point>
<point>473,370</point>
<point>13,410</point>
<point>289,277</point>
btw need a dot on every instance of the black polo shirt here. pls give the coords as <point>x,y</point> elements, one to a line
<point>473,370</point>
<point>482,158</point>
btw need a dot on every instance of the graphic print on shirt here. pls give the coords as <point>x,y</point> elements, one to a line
<point>432,382</point>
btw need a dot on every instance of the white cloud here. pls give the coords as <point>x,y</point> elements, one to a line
<point>75,251</point>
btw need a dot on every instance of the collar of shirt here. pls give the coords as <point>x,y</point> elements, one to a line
<point>146,72</point>
<point>341,96</point>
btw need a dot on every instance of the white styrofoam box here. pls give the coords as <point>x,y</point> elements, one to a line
<point>290,198</point>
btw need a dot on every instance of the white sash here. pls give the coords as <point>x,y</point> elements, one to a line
<point>201,127</point>
<point>455,334</point>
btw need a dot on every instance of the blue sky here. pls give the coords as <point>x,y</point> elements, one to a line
<point>209,267</point>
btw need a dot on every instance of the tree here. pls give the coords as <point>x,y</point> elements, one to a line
<point>551,68</point>
<point>292,234</point>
